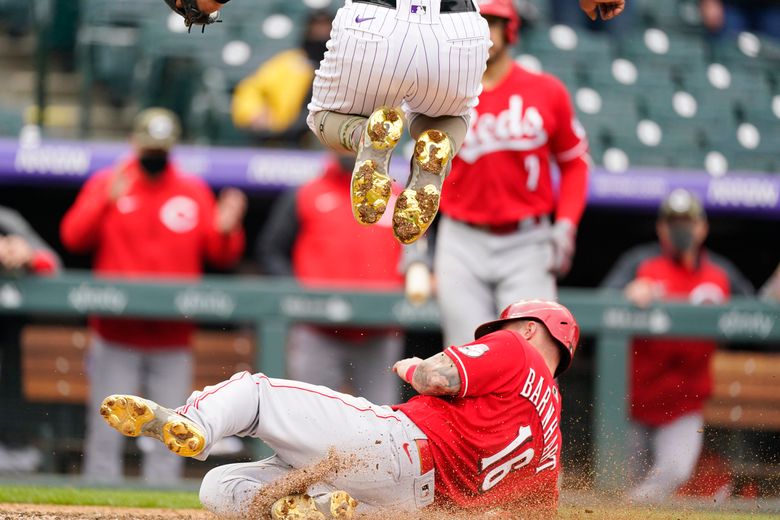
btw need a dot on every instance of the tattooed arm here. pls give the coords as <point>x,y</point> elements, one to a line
<point>436,375</point>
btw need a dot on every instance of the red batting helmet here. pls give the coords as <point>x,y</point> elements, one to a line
<point>558,319</point>
<point>503,9</point>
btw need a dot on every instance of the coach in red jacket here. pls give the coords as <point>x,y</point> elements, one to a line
<point>670,377</point>
<point>145,218</point>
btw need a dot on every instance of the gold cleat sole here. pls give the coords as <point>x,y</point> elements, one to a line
<point>417,206</point>
<point>371,183</point>
<point>296,507</point>
<point>342,505</point>
<point>134,416</point>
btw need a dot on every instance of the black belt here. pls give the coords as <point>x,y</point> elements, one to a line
<point>447,6</point>
<point>508,228</point>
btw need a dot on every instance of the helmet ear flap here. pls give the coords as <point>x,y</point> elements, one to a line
<point>512,26</point>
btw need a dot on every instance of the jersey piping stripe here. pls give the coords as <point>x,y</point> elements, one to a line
<point>463,369</point>
<point>573,153</point>
<point>335,397</point>
<point>219,387</point>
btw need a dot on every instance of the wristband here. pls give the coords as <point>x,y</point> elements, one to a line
<point>410,373</point>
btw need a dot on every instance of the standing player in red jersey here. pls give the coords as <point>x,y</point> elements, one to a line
<point>504,233</point>
<point>483,433</point>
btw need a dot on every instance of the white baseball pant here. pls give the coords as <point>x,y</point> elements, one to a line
<point>301,422</point>
<point>412,56</point>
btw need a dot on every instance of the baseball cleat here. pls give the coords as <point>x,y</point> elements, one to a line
<point>418,204</point>
<point>342,505</point>
<point>296,507</point>
<point>133,416</point>
<point>337,505</point>
<point>371,183</point>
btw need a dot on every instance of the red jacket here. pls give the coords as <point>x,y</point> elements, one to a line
<point>331,249</point>
<point>162,228</point>
<point>671,377</point>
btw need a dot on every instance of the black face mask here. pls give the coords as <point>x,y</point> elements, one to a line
<point>315,49</point>
<point>681,237</point>
<point>153,164</point>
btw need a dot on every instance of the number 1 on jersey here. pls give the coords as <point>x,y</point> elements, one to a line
<point>533,168</point>
<point>498,473</point>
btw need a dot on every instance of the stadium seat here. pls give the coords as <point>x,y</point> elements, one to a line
<point>678,14</point>
<point>16,17</point>
<point>751,146</point>
<point>109,42</point>
<point>566,44</point>
<point>718,83</point>
<point>605,114</point>
<point>626,76</point>
<point>654,46</point>
<point>686,111</point>
<point>756,53</point>
<point>11,121</point>
<point>763,111</point>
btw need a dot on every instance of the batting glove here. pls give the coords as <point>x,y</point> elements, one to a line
<point>563,238</point>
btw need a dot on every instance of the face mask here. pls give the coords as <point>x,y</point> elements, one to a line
<point>681,237</point>
<point>153,165</point>
<point>315,49</point>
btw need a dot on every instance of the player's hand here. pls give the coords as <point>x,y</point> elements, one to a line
<point>564,236</point>
<point>207,6</point>
<point>419,283</point>
<point>15,252</point>
<point>712,14</point>
<point>119,184</point>
<point>608,9</point>
<point>403,365</point>
<point>642,292</point>
<point>231,208</point>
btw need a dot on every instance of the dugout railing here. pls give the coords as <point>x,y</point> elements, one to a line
<point>271,305</point>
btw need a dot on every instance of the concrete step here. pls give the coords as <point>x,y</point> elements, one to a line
<point>22,47</point>
<point>58,83</point>
<point>68,115</point>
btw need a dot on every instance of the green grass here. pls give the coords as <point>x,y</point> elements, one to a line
<point>98,497</point>
<point>189,500</point>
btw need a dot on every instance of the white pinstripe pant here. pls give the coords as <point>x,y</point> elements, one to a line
<point>427,63</point>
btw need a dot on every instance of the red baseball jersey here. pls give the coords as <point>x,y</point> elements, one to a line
<point>158,229</point>
<point>498,441</point>
<point>502,172</point>
<point>671,376</point>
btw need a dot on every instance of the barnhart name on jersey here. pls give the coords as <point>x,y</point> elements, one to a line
<point>516,128</point>
<point>543,395</point>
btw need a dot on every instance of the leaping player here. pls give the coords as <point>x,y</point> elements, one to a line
<point>426,56</point>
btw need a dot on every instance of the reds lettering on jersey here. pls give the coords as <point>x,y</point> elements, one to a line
<point>499,441</point>
<point>502,172</point>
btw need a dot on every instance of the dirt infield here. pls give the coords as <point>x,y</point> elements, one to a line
<point>54,512</point>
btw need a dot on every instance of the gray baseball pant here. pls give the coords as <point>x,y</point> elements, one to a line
<point>664,457</point>
<point>479,273</point>
<point>320,358</point>
<point>163,375</point>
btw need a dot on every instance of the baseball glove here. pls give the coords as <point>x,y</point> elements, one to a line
<point>192,14</point>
